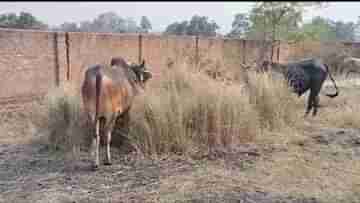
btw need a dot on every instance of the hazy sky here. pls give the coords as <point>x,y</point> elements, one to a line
<point>162,14</point>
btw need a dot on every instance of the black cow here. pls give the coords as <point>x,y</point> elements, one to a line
<point>303,75</point>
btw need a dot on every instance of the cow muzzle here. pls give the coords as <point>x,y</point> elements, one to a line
<point>146,75</point>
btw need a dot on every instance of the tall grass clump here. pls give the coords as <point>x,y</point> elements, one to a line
<point>342,111</point>
<point>190,111</point>
<point>186,112</point>
<point>274,101</point>
<point>64,120</point>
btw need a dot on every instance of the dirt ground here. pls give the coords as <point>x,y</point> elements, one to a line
<point>322,165</point>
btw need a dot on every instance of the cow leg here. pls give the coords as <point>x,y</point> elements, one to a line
<point>314,96</point>
<point>316,105</point>
<point>123,121</point>
<point>108,141</point>
<point>309,104</point>
<point>95,145</point>
<point>126,121</point>
<point>347,74</point>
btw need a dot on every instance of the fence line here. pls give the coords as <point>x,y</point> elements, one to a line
<point>66,57</point>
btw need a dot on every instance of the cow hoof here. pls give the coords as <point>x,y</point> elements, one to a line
<point>108,163</point>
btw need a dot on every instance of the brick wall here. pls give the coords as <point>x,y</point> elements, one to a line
<point>32,62</point>
<point>167,52</point>
<point>87,49</point>
<point>27,63</point>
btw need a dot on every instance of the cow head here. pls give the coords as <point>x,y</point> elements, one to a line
<point>142,74</point>
<point>140,70</point>
<point>265,66</point>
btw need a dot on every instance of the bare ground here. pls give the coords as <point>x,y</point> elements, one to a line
<point>322,165</point>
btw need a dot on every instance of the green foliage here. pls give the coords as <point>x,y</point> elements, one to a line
<point>240,25</point>
<point>198,25</point>
<point>323,29</point>
<point>105,22</point>
<point>145,24</point>
<point>177,28</point>
<point>344,31</point>
<point>276,20</point>
<point>282,21</point>
<point>111,22</point>
<point>319,29</point>
<point>68,27</point>
<point>23,21</point>
<point>131,26</point>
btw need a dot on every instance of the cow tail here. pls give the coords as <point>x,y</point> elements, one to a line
<point>332,79</point>
<point>97,88</point>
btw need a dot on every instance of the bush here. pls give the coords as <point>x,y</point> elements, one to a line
<point>64,119</point>
<point>187,112</point>
<point>273,101</point>
<point>192,112</point>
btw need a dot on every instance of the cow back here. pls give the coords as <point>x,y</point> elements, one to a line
<point>116,90</point>
<point>305,73</point>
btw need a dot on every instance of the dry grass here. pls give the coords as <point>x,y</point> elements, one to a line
<point>300,173</point>
<point>274,101</point>
<point>191,112</point>
<point>188,112</point>
<point>342,111</point>
<point>18,122</point>
<point>347,117</point>
<point>63,119</point>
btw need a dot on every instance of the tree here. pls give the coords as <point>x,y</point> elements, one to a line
<point>69,27</point>
<point>8,20</point>
<point>108,22</point>
<point>273,21</point>
<point>323,29</point>
<point>23,21</point>
<point>198,25</point>
<point>357,30</point>
<point>319,29</point>
<point>105,22</point>
<point>131,26</point>
<point>240,26</point>
<point>145,24</point>
<point>85,26</point>
<point>344,31</point>
<point>177,28</point>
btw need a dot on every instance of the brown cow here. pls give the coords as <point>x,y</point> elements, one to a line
<point>108,92</point>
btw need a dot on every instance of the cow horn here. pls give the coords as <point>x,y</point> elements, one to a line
<point>143,63</point>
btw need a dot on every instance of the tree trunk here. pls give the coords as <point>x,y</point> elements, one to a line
<point>273,37</point>
<point>263,50</point>
<point>273,42</point>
